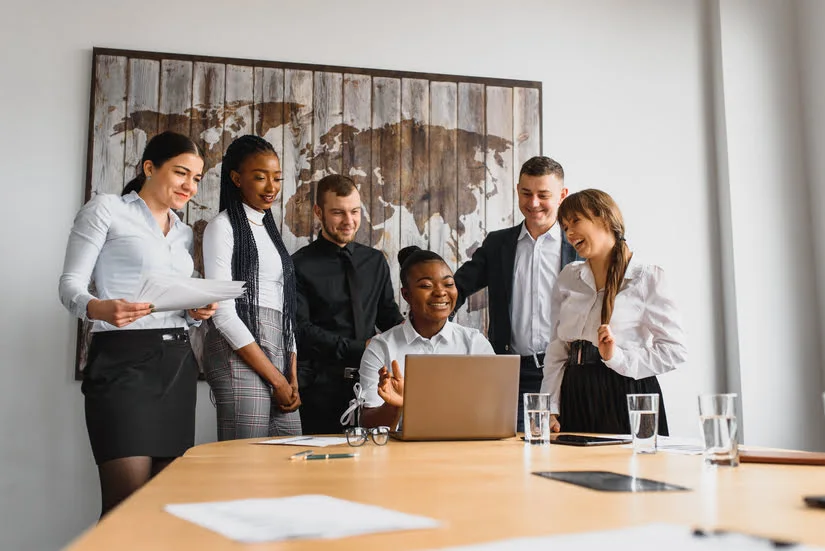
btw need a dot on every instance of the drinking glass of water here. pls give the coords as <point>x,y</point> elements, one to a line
<point>643,410</point>
<point>536,417</point>
<point>717,412</point>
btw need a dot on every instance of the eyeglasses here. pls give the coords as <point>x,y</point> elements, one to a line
<point>357,436</point>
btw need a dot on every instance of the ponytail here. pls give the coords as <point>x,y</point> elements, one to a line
<point>615,275</point>
<point>136,184</point>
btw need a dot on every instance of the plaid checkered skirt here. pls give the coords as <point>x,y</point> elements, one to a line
<point>244,402</point>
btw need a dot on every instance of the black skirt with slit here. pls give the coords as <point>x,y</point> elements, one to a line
<point>594,397</point>
<point>140,388</point>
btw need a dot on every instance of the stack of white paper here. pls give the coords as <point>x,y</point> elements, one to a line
<point>308,441</point>
<point>652,536</point>
<point>168,293</point>
<point>298,517</point>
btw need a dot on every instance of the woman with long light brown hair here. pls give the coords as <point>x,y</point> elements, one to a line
<point>616,326</point>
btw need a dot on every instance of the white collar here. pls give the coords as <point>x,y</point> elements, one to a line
<point>253,215</point>
<point>410,334</point>
<point>634,269</point>
<point>554,233</point>
<point>133,196</point>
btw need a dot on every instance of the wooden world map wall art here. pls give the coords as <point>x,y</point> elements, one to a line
<point>435,157</point>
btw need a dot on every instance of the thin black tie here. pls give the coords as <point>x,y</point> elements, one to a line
<point>355,297</point>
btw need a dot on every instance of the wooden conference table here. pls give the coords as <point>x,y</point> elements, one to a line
<point>482,491</point>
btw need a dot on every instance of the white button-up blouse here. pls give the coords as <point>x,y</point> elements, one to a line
<point>645,324</point>
<point>114,240</point>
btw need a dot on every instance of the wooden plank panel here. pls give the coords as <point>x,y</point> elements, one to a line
<point>238,106</point>
<point>526,133</point>
<point>297,191</point>
<point>386,174</point>
<point>175,96</point>
<point>328,113</point>
<point>141,111</point>
<point>415,173</point>
<point>269,120</point>
<point>356,151</point>
<point>108,146</point>
<point>471,156</point>
<point>500,183</point>
<point>208,97</point>
<point>443,173</point>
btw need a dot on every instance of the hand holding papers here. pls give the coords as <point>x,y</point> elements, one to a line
<point>169,293</point>
<point>296,517</point>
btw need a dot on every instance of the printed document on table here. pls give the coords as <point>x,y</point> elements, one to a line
<point>169,293</point>
<point>308,441</point>
<point>297,517</point>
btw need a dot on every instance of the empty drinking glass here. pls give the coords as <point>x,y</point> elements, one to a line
<point>643,410</point>
<point>717,413</point>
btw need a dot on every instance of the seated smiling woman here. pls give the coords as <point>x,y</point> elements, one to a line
<point>428,287</point>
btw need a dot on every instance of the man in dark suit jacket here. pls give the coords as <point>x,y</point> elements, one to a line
<point>519,266</point>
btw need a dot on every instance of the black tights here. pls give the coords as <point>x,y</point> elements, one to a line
<point>121,477</point>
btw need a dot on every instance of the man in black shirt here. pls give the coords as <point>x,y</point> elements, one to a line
<point>344,293</point>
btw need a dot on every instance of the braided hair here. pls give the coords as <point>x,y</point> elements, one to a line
<point>245,253</point>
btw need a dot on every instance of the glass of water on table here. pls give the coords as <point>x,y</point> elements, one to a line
<point>717,413</point>
<point>643,410</point>
<point>536,417</point>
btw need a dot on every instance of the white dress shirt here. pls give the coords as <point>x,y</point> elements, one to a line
<point>218,247</point>
<point>537,265</point>
<point>403,339</point>
<point>645,324</point>
<point>114,240</point>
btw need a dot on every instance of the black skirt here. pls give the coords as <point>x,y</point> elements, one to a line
<point>140,388</point>
<point>594,397</point>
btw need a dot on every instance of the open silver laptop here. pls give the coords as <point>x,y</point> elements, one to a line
<point>457,397</point>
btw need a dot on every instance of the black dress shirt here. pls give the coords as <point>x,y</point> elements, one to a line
<point>326,330</point>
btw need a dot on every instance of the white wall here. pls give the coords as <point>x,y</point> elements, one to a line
<point>810,17</point>
<point>625,109</point>
<point>772,249</point>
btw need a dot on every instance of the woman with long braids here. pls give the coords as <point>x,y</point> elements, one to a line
<point>250,360</point>
<point>140,379</point>
<point>617,326</point>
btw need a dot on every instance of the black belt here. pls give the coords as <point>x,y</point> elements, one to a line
<point>534,361</point>
<point>145,336</point>
<point>582,352</point>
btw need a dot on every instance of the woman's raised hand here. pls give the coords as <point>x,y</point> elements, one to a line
<point>391,385</point>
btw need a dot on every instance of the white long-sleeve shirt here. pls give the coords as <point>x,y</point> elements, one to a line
<point>645,324</point>
<point>403,339</point>
<point>536,268</point>
<point>113,241</point>
<point>218,246</point>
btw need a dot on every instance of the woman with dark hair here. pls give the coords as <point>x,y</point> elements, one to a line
<point>428,287</point>
<point>250,360</point>
<point>140,378</point>
<point>617,326</point>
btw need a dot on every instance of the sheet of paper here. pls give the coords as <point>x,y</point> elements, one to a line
<point>652,536</point>
<point>298,517</point>
<point>677,444</point>
<point>308,441</point>
<point>169,293</point>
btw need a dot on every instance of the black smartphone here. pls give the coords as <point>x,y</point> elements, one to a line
<point>815,501</point>
<point>579,440</point>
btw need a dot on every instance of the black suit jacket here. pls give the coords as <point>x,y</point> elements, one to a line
<point>492,266</point>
